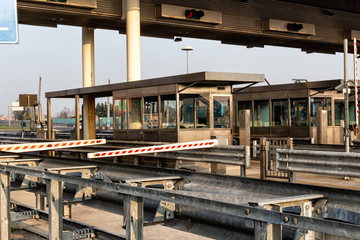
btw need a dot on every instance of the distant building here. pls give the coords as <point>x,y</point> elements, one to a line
<point>4,118</point>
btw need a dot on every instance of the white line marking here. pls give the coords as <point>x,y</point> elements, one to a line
<point>4,29</point>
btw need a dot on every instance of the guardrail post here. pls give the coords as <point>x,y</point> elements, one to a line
<point>263,158</point>
<point>260,230</point>
<point>39,201</point>
<point>291,175</point>
<point>54,191</point>
<point>135,218</point>
<point>5,204</point>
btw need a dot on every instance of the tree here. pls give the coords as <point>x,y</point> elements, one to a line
<point>22,115</point>
<point>101,110</point>
<point>65,113</point>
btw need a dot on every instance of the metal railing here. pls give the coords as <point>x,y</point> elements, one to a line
<point>319,162</point>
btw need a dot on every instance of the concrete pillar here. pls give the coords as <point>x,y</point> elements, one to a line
<point>89,124</point>
<point>133,40</point>
<point>77,117</point>
<point>244,127</point>
<point>244,133</point>
<point>321,126</point>
<point>88,81</point>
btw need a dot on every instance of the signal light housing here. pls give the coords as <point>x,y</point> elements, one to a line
<point>194,14</point>
<point>288,27</point>
<point>294,27</point>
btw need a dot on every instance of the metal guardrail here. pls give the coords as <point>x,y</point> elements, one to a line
<point>228,155</point>
<point>135,225</point>
<point>321,162</point>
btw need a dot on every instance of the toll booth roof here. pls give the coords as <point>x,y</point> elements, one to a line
<point>198,79</point>
<point>336,84</point>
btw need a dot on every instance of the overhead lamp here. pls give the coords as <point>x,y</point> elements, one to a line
<point>327,12</point>
<point>177,39</point>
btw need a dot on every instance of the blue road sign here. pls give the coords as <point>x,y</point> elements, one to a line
<point>8,22</point>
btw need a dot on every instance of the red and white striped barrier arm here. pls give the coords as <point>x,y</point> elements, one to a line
<point>155,149</point>
<point>33,147</point>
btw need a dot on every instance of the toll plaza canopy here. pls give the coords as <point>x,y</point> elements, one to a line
<point>179,108</point>
<point>313,26</point>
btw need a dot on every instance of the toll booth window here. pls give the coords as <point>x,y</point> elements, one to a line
<point>280,113</point>
<point>352,113</point>
<point>221,112</point>
<point>135,116</point>
<point>151,112</point>
<point>318,104</point>
<point>339,111</point>
<point>299,113</point>
<point>120,113</point>
<point>168,111</point>
<point>244,106</point>
<point>261,114</point>
<point>194,111</point>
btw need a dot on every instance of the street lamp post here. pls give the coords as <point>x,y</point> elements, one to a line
<point>187,49</point>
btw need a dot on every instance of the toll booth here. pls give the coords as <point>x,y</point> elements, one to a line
<point>297,110</point>
<point>180,108</point>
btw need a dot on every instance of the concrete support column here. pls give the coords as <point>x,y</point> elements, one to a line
<point>133,40</point>
<point>77,117</point>
<point>88,81</point>
<point>244,133</point>
<point>89,125</point>
<point>321,126</point>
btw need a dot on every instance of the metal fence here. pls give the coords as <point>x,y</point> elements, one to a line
<point>268,147</point>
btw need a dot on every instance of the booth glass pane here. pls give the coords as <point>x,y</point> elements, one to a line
<point>352,115</point>
<point>221,112</point>
<point>194,108</point>
<point>151,112</point>
<point>168,111</point>
<point>244,106</point>
<point>280,116</point>
<point>339,111</point>
<point>187,111</point>
<point>202,111</point>
<point>135,119</point>
<point>120,114</point>
<point>318,104</point>
<point>261,114</point>
<point>299,113</point>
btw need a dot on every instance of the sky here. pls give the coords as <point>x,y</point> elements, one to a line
<point>55,54</point>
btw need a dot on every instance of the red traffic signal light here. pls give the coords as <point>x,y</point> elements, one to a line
<point>194,14</point>
<point>294,27</point>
